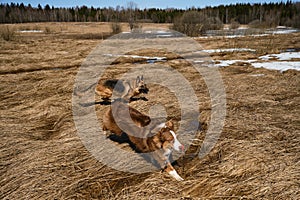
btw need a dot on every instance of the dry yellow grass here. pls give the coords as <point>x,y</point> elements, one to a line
<point>42,157</point>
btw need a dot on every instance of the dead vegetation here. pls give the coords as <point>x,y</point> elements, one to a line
<point>264,44</point>
<point>42,157</point>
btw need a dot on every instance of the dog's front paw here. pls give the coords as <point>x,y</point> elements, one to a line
<point>175,175</point>
<point>107,134</point>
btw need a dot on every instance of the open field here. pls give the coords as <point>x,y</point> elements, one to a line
<point>42,157</point>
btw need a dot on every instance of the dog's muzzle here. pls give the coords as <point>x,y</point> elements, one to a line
<point>144,90</point>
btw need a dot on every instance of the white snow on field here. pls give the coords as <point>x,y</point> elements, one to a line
<point>136,56</point>
<point>246,31</point>
<point>284,60</point>
<point>30,31</point>
<point>227,50</point>
<point>281,66</point>
<point>230,36</point>
<point>257,75</point>
<point>165,35</point>
<point>234,36</point>
<point>158,31</point>
<point>283,31</point>
<point>243,28</point>
<point>226,63</point>
<point>282,56</point>
<point>162,32</point>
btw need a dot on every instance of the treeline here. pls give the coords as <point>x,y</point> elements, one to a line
<point>19,13</point>
<point>271,14</point>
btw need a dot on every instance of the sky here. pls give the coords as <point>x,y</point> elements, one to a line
<point>183,4</point>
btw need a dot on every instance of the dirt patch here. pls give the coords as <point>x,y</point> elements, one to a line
<point>256,157</point>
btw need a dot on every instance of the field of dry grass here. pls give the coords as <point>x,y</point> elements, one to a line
<point>42,157</point>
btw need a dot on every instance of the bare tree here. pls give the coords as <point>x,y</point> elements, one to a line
<point>194,23</point>
<point>131,7</point>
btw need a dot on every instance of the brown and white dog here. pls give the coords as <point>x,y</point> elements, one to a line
<point>125,89</point>
<point>158,139</point>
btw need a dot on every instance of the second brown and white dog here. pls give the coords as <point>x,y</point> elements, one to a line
<point>158,139</point>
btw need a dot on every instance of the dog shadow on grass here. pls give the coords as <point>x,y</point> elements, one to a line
<point>147,157</point>
<point>108,102</point>
<point>105,103</point>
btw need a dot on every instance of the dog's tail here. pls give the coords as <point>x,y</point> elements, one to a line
<point>81,93</point>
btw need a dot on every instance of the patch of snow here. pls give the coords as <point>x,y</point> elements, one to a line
<point>202,37</point>
<point>282,31</point>
<point>225,63</point>
<point>259,35</point>
<point>229,36</point>
<point>157,32</point>
<point>234,36</point>
<point>281,66</point>
<point>136,56</point>
<point>243,28</point>
<point>292,50</point>
<point>257,75</point>
<point>165,35</point>
<point>282,56</point>
<point>162,32</point>
<point>199,61</point>
<point>145,57</point>
<point>30,31</point>
<point>281,27</point>
<point>242,31</point>
<point>227,50</point>
<point>251,35</point>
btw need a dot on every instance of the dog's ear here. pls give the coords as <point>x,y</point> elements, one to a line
<point>170,124</point>
<point>137,81</point>
<point>142,78</point>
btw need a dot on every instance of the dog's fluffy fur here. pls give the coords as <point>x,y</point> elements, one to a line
<point>148,136</point>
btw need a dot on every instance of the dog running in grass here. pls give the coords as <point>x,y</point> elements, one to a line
<point>158,139</point>
<point>125,89</point>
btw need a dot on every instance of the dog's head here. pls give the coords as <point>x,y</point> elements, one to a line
<point>140,86</point>
<point>167,137</point>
